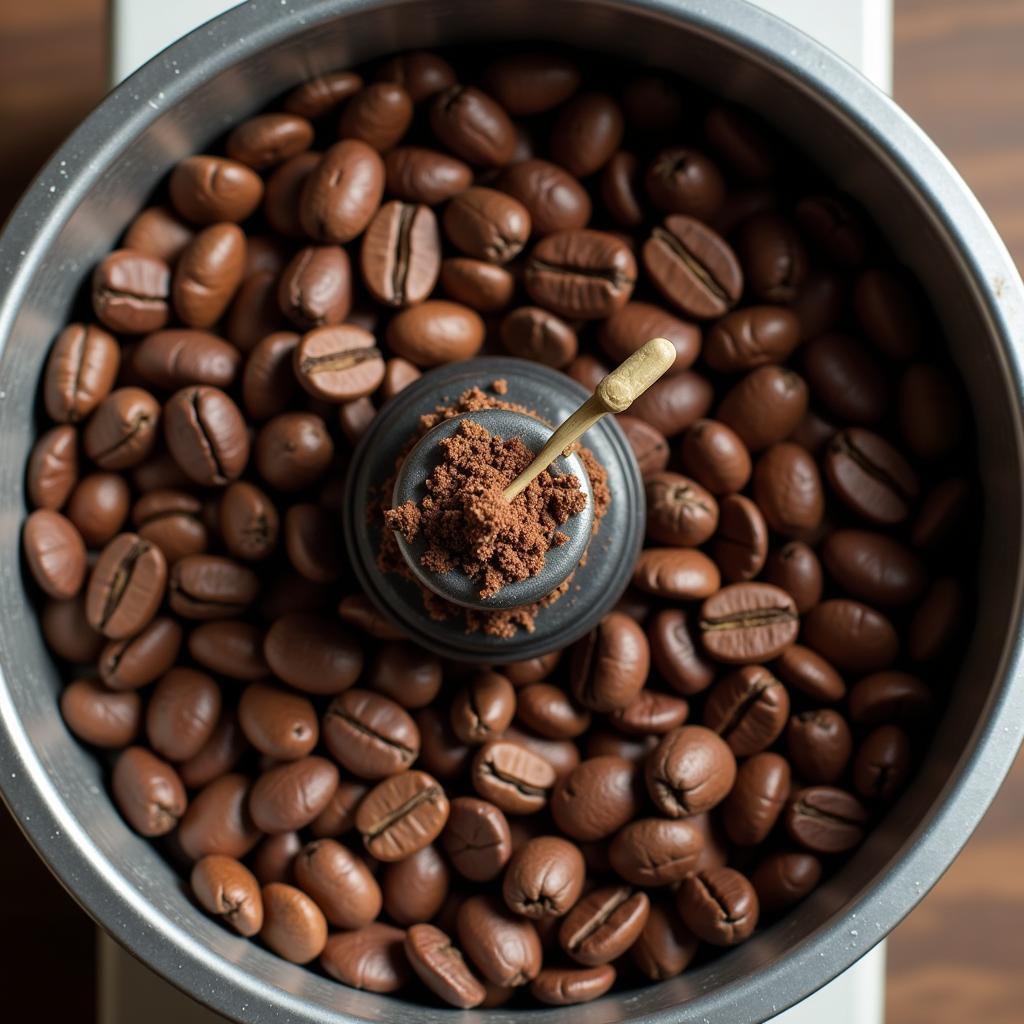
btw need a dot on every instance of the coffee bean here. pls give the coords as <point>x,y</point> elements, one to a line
<point>528,82</point>
<point>650,447</point>
<point>870,476</point>
<point>157,232</point>
<point>787,489</point>
<point>206,434</point>
<point>675,402</point>
<point>819,744</point>
<point>846,378</point>
<point>228,889</point>
<point>126,587</point>
<point>604,924</point>
<point>888,305</point>
<point>665,947</point>
<point>621,189</point>
<point>211,587</point>
<point>400,257</point>
<point>129,664</point>
<point>283,193</point>
<point>486,224</point>
<point>293,450</point>
<point>52,471</point>
<point>783,879</point>
<point>130,292</point>
<point>547,709</point>
<point>587,371</point>
<point>209,189</point>
<point>679,511</point>
<point>795,568</point>
<point>882,763</point>
<point>80,372</point>
<point>441,967</point>
<point>544,878</point>
<point>122,430</point>
<point>636,323</point>
<point>751,337</point>
<point>655,851</point>
<point>514,778</point>
<point>765,406</point>
<point>533,670</point>
<point>608,667</point>
<point>689,772</point>
<point>811,674</point>
<point>682,180</point>
<point>835,226</point>
<point>477,839</point>
<point>379,115</point>
<point>339,882</point>
<point>415,889</point>
<point>773,257</point>
<point>482,286</point>
<point>294,927</point>
<point>581,274</point>
<point>874,567</point>
<point>937,622</point>
<point>289,796</point>
<point>435,332</point>
<point>719,906</point>
<point>407,674</point>
<point>67,633</point>
<point>277,723</point>
<point>889,698</point>
<point>742,140</point>
<point>748,709</point>
<point>370,735</point>
<point>713,454</point>
<point>693,267</point>
<point>342,193</point>
<point>370,958</point>
<point>208,274</point>
<point>313,654</point>
<point>474,127</point>
<point>824,819</point>
<point>339,364</point>
<point>682,574</point>
<point>553,199</point>
<point>218,821</point>
<point>533,333</point>
<point>268,382</point>
<point>741,541</point>
<point>172,520</point>
<point>148,792</point>
<point>586,132</point>
<point>338,817</point>
<point>316,287</point>
<point>483,709</point>
<point>401,815</point>
<point>941,512</point>
<point>820,302</point>
<point>676,654</point>
<point>417,175</point>
<point>747,622</point>
<point>267,139</point>
<point>313,548</point>
<point>565,986</point>
<point>101,717</point>
<point>182,713</point>
<point>421,73</point>
<point>55,553</point>
<point>757,799</point>
<point>172,359</point>
<point>220,754</point>
<point>248,521</point>
<point>562,755</point>
<point>851,635</point>
<point>596,799</point>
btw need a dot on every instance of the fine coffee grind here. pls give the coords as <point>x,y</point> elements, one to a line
<point>467,524</point>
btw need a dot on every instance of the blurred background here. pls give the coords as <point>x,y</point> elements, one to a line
<point>959,72</point>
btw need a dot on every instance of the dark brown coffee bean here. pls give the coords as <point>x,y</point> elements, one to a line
<point>773,257</point>
<point>942,511</point>
<point>267,139</point>
<point>312,653</point>
<point>172,359</point>
<point>511,776</point>
<point>282,197</point>
<point>587,371</point>
<point>851,635</point>
<point>407,674</point>
<point>55,553</point>
<point>208,189</point>
<point>294,927</point>
<point>609,666</point>
<point>80,372</point>
<point>533,333</point>
<point>477,839</point>
<point>740,545</point>
<point>689,772</point>
<point>228,889</point>
<point>719,906</point>
<point>208,274</point>
<point>293,450</point>
<point>748,622</point>
<point>621,189</point>
<point>211,587</point>
<point>400,257</point>
<point>122,430</point>
<point>339,882</point>
<point>486,224</point>
<point>338,817</point>
<point>679,511</point>
<point>885,698</point>
<point>566,986</point>
<point>888,305</point>
<point>435,332</point>
<point>482,286</point>
<point>741,140</point>
<point>339,363</point>
<point>355,418</point>
<point>824,819</point>
<point>172,520</point>
<point>157,232</point>
<point>277,723</point>
<point>676,655</point>
<point>418,175</point>
<point>274,857</point>
<point>314,549</point>
<point>533,670</point>
<point>665,946</point>
<point>682,180</point>
<point>796,569</point>
<point>379,115</point>
<point>219,755</point>
<point>474,127</point>
<point>218,821</point>
<point>562,755</point>
<point>544,878</point>
<point>873,566</point>
<point>870,476</point>
<point>835,226</point>
<point>316,97</point>
<point>421,73</point>
<point>370,735</point>
<point>441,967</point>
<point>371,958</point>
<point>882,763</point>
<point>135,662</point>
<point>693,267</point>
<point>819,744</point>
<point>765,406</point>
<point>401,815</point>
<point>820,302</point>
<point>604,924</point>
<point>586,132</point>
<point>268,382</point>
<point>595,799</point>
<point>99,716</point>
<point>582,274</point>
<point>713,454</point>
<point>505,949</point>
<point>531,82</point>
<point>656,851</point>
<point>650,446</point>
<point>783,879</point>
<point>750,337</point>
<point>753,806</point>
<point>130,292</point>
<point>248,521</point>
<point>636,323</point>
<point>748,708</point>
<point>316,287</point>
<point>675,402</point>
<point>415,888</point>
<point>148,792</point>
<point>182,713</point>
<point>846,378</point>
<point>808,672</point>
<point>548,710</point>
<point>52,471</point>
<point>554,200</point>
<point>67,632</point>
<point>159,472</point>
<point>483,709</point>
<point>206,434</point>
<point>682,574</point>
<point>787,489</point>
<point>342,193</point>
<point>126,587</point>
<point>289,796</point>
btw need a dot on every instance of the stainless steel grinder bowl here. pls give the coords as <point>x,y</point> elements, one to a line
<point>190,94</point>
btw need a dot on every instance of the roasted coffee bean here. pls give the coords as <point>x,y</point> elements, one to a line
<point>182,713</point>
<point>219,755</point>
<point>135,662</point>
<point>210,587</point>
<point>248,521</point>
<point>679,511</point>
<point>157,232</point>
<point>254,311</point>
<point>441,967</point>
<point>681,574</point>
<point>586,132</point>
<point>604,924</point>
<point>316,287</point>
<point>289,796</point>
<point>566,986</point>
<point>130,292</point>
<point>342,193</point>
<point>548,710</point>
<point>621,189</point>
<point>665,947</point>
<point>846,378</point>
<point>740,545</point>
<point>511,776</point>
<point>544,878</point>
<point>636,323</point>
<point>682,180</point>
<point>208,189</point>
<point>319,95</point>
<point>293,450</point>
<point>417,175</point>
<point>533,333</point>
<point>588,371</point>
<point>55,553</point>
<point>824,819</point>
<point>719,906</point>
<point>609,666</point>
<point>339,363</point>
<point>819,744</point>
<point>122,430</point>
<point>504,948</point>
<point>126,587</point>
<point>483,709</point>
<point>218,820</point>
<point>407,674</point>
<point>835,226</point>
<point>746,622</point>
<point>676,654</point>
<point>750,337</point>
<point>486,224</point>
<point>795,568</point>
<point>757,799</point>
<point>67,633</point>
<point>477,839</point>
<point>650,446</point>
<point>811,674</point>
<point>274,857</point>
<point>358,611</point>
<point>228,889</point>
<point>748,708</point>
<point>870,476</point>
<point>206,434</point>
<point>581,274</point>
<point>482,286</point>
<point>400,257</point>
<point>314,549</point>
<point>773,257</point>
<point>931,414</point>
<point>414,889</point>
<point>52,471</point>
<point>533,670</point>
<point>401,815</point>
<point>208,273</point>
<point>888,305</point>
<point>339,882</point>
<point>268,381</point>
<point>562,755</point>
<point>283,193</point>
<point>435,332</point>
<point>693,267</point>
<point>741,139</point>
<point>474,127</point>
<point>882,763</point>
<point>370,735</point>
<point>820,302</point>
<point>338,817</point>
<point>172,359</point>
<point>277,723</point>
<point>553,199</point>
<point>784,879</point>
<point>689,772</point>
<point>787,489</point>
<point>942,511</point>
<point>595,799</point>
<point>675,402</point>
<point>293,925</point>
<point>873,566</point>
<point>379,115</point>
<point>889,698</point>
<point>355,417</point>
<point>851,635</point>
<point>765,406</point>
<point>80,372</point>
<point>148,792</point>
<point>312,653</point>
<point>370,958</point>
<point>172,520</point>
<point>529,82</point>
<point>267,139</point>
<point>421,73</point>
<point>713,454</point>
<point>99,716</point>
<point>656,851</point>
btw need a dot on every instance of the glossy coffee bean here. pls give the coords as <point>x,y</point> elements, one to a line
<point>748,622</point>
<point>773,257</point>
<point>442,967</point>
<point>421,73</point>
<point>379,115</point>
<point>314,654</point>
<point>788,490</point>
<point>218,820</point>
<point>804,670</point>
<point>126,587</point>
<point>182,713</point>
<point>636,323</point>
<point>544,878</point>
<point>67,633</point>
<point>719,906</point>
<point>675,402</point>
<point>714,455</point>
<point>486,224</point>
<point>208,274</point>
<point>417,175</point>
<point>129,664</point>
<point>277,723</point>
<point>680,574</point>
<point>483,709</point>
<point>208,189</point>
<point>122,430</point>
<point>554,200</point>
<point>595,799</point>
<point>473,126</point>
<point>370,958</point>
<point>52,471</point>
<point>219,755</point>
<point>586,132</point>
<point>677,654</point>
<point>679,511</point>
<point>529,82</point>
<point>846,378</point>
<point>530,332</point>
<point>342,193</point>
<point>80,372</point>
<point>248,521</point>
<point>852,636</point>
<point>339,363</point>
<point>482,286</point>
<point>435,332</point>
<point>206,434</point>
<point>267,139</point>
<point>656,851</point>
<point>873,566</point>
<point>765,406</point>
<point>315,288</point>
<point>172,520</point>
<point>156,231</point>
<point>268,381</point>
<point>148,792</point>
<point>689,772</point>
<point>748,708</point>
<point>757,799</point>
<point>819,743</point>
<point>609,666</point>
<point>172,359</point>
<point>477,839</point>
<point>503,947</point>
<point>293,450</point>
<point>870,476</point>
<point>407,674</point>
<point>835,226</point>
<point>210,587</point>
<point>415,889</point>
<point>400,257</point>
<point>567,986</point>
<point>289,796</point>
<point>401,815</point>
<point>293,925</point>
<point>227,889</point>
<point>283,192</point>
<point>370,735</point>
<point>339,882</point>
<point>751,337</point>
<point>549,711</point>
<point>604,924</point>
<point>889,698</point>
<point>665,947</point>
<point>795,569</point>
<point>130,292</point>
<point>882,763</point>
<point>99,716</point>
<point>824,819</point>
<point>782,880</point>
<point>682,180</point>
<point>650,446</point>
<point>55,553</point>
<point>740,544</point>
<point>512,776</point>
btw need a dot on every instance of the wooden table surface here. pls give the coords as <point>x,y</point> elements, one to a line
<point>960,74</point>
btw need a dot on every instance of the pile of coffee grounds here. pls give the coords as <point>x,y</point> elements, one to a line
<point>467,529</point>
